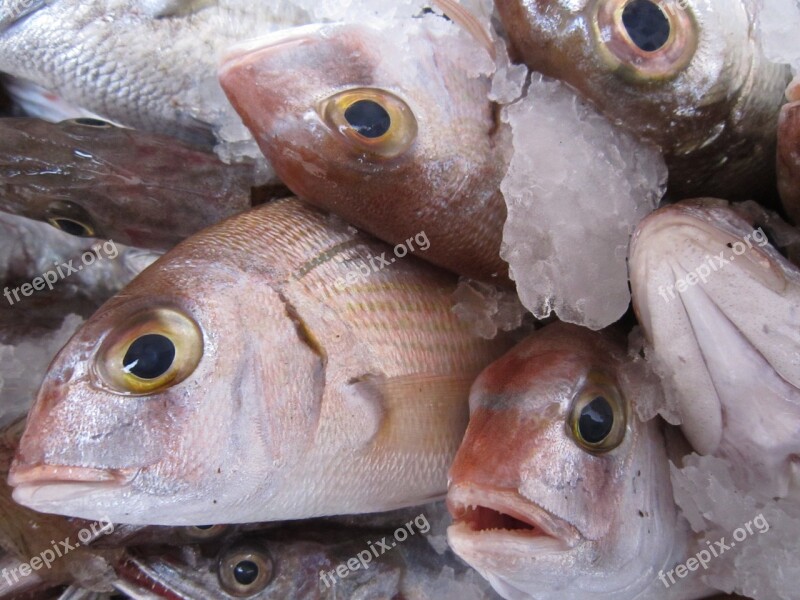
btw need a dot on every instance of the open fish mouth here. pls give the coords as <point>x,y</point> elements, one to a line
<point>504,520</point>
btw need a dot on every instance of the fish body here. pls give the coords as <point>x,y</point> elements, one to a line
<point>90,178</point>
<point>146,64</point>
<point>558,490</point>
<point>688,75</point>
<point>789,153</point>
<point>720,307</point>
<point>261,370</point>
<point>387,125</point>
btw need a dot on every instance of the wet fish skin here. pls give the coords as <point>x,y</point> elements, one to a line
<point>98,180</point>
<point>708,96</point>
<point>725,338</point>
<point>789,153</point>
<point>365,385</point>
<point>148,65</point>
<point>438,167</point>
<point>536,512</point>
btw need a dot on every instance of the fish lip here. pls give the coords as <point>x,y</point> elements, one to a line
<point>510,503</point>
<point>239,54</point>
<point>38,475</point>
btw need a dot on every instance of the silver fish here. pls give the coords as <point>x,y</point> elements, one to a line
<point>720,307</point>
<point>147,64</point>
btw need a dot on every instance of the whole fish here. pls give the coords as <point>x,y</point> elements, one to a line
<point>387,125</point>
<point>688,75</point>
<point>89,178</point>
<point>147,64</point>
<point>789,152</point>
<point>559,491</point>
<point>719,305</point>
<point>269,367</point>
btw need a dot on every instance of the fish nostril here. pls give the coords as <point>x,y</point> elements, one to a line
<point>646,24</point>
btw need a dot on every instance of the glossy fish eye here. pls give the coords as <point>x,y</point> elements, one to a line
<point>152,351</point>
<point>598,416</point>
<point>645,40</point>
<point>204,532</point>
<point>90,122</point>
<point>70,218</point>
<point>244,571</point>
<point>371,121</point>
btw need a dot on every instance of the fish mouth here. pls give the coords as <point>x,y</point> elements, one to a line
<point>503,520</point>
<point>48,488</point>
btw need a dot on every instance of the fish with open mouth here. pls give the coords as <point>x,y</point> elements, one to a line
<point>90,178</point>
<point>266,368</point>
<point>141,63</point>
<point>789,152</point>
<point>559,491</point>
<point>387,125</point>
<point>719,305</point>
<point>688,75</point>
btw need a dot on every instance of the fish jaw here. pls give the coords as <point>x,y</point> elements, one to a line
<point>443,178</point>
<point>721,341</point>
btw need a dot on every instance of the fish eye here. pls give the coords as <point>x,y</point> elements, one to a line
<point>597,419</point>
<point>151,352</point>
<point>70,218</point>
<point>646,40</point>
<point>90,122</point>
<point>205,532</point>
<point>244,571</point>
<point>372,121</point>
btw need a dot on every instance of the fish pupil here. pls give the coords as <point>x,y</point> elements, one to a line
<point>596,420</point>
<point>647,25</point>
<point>71,227</point>
<point>245,572</point>
<point>150,356</point>
<point>368,118</point>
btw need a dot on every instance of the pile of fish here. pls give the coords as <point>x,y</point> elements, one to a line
<point>399,299</point>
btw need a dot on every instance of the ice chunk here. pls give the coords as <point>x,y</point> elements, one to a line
<point>487,308</point>
<point>760,533</point>
<point>575,189</point>
<point>777,26</point>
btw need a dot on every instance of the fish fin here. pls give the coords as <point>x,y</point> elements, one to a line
<point>463,17</point>
<point>41,103</point>
<point>410,409</point>
<point>13,11</point>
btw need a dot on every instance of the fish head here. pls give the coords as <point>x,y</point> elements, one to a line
<point>90,178</point>
<point>557,485</point>
<point>718,303</point>
<point>390,127</point>
<point>157,401</point>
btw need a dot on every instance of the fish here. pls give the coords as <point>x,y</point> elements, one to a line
<point>387,125</point>
<point>146,64</point>
<point>267,368</point>
<point>687,75</point>
<point>558,489</point>
<point>789,152</point>
<point>297,562</point>
<point>718,304</point>
<point>89,178</point>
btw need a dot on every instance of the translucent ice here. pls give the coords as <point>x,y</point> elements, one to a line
<point>576,188</point>
<point>487,308</point>
<point>778,24</point>
<point>758,536</point>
